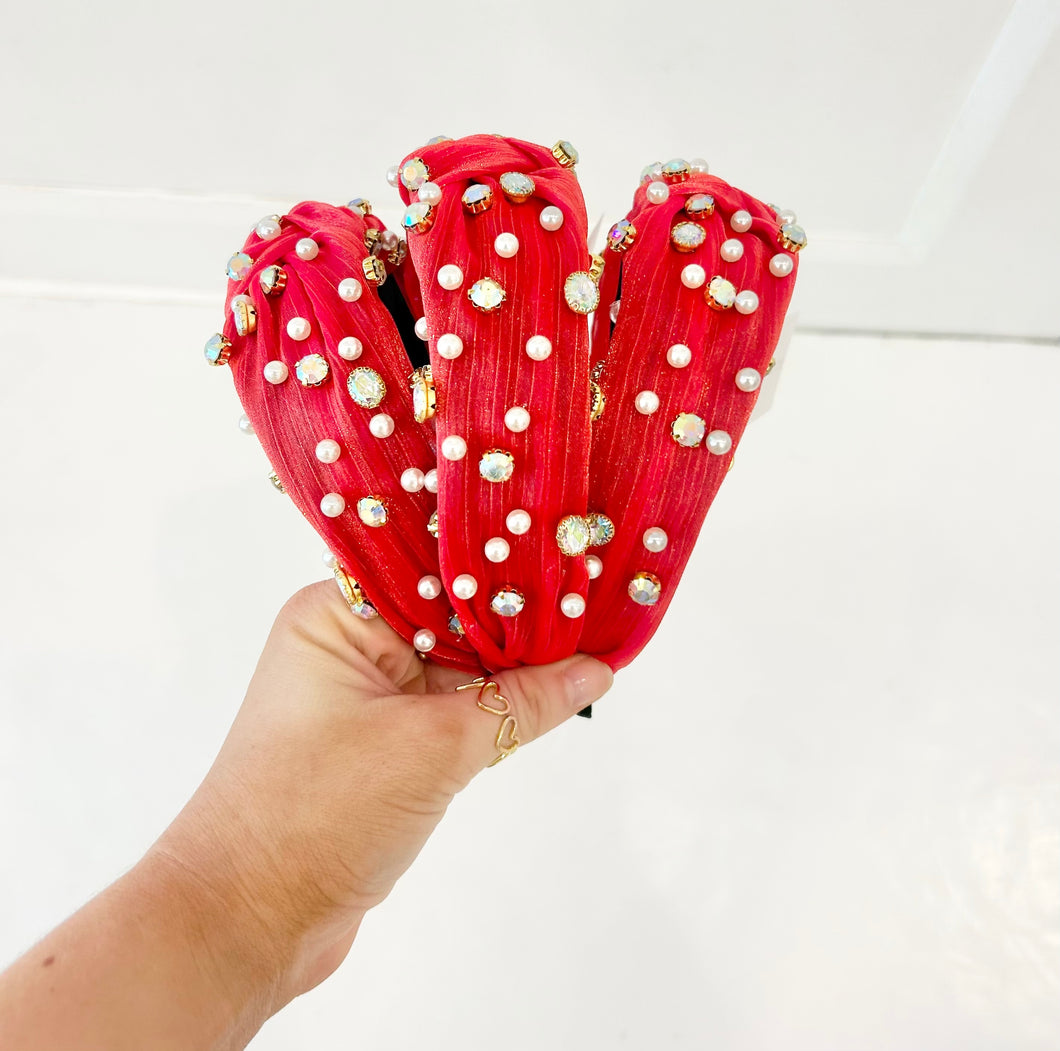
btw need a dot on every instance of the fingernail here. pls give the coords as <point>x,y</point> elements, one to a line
<point>587,681</point>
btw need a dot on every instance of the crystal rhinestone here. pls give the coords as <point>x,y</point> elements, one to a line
<point>496,465</point>
<point>572,535</point>
<point>699,205</point>
<point>272,280</point>
<point>435,139</point>
<point>687,237</point>
<point>650,172</point>
<point>218,349</point>
<point>360,204</point>
<point>432,524</point>
<point>371,510</point>
<point>507,602</point>
<point>601,529</point>
<point>423,397</point>
<point>374,270</point>
<point>366,387</point>
<point>239,266</point>
<point>688,430</point>
<point>676,170</point>
<point>311,370</point>
<point>414,173</point>
<point>455,626</point>
<point>721,293</point>
<point>597,401</point>
<point>621,235</point>
<point>517,187</point>
<point>277,484</point>
<point>477,198</point>
<point>581,293</point>
<point>418,217</point>
<point>244,315</point>
<point>791,236</point>
<point>487,295</point>
<point>645,589</point>
<point>565,153</point>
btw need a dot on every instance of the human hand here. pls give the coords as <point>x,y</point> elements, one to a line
<point>345,754</point>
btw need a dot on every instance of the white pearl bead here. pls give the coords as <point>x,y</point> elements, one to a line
<point>430,193</point>
<point>679,355</point>
<point>517,419</point>
<point>741,221</point>
<point>657,191</point>
<point>450,276</point>
<point>647,402</point>
<point>381,425</point>
<point>497,549</point>
<point>731,250</point>
<point>350,348</point>
<point>719,442</point>
<point>245,425</point>
<point>786,216</point>
<point>307,249</point>
<point>350,289</point>
<point>748,379</point>
<point>450,346</point>
<point>332,505</point>
<point>506,245</point>
<point>328,450</point>
<point>613,312</point>
<point>593,566</point>
<point>747,302</point>
<point>538,347</point>
<point>275,371</point>
<point>454,447</point>
<point>551,217</point>
<point>518,522</point>
<point>464,586</point>
<point>424,640</point>
<point>693,276</point>
<point>393,175</point>
<point>430,480</point>
<point>572,605</point>
<point>421,329</point>
<point>781,265</point>
<point>269,228</point>
<point>655,539</point>
<point>328,558</point>
<point>699,164</point>
<point>429,587</point>
<point>412,480</point>
<point>299,328</point>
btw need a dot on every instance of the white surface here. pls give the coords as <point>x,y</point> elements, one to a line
<point>820,812</point>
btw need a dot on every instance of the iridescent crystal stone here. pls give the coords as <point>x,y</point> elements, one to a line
<point>621,235</point>
<point>374,270</point>
<point>792,237</point>
<point>650,172</point>
<point>353,594</point>
<point>423,397</point>
<point>581,293</point>
<point>455,626</point>
<point>276,483</point>
<point>244,315</point>
<point>477,198</point>
<point>414,173</point>
<point>565,153</point>
<point>645,589</point>
<point>687,237</point>
<point>365,610</point>
<point>516,186</point>
<point>432,524</point>
<point>239,266</point>
<point>572,535</point>
<point>676,170</point>
<point>272,280</point>
<point>601,529</point>
<point>218,349</point>
<point>435,139</point>
<point>360,204</point>
<point>366,387</point>
<point>371,510</point>
<point>496,465</point>
<point>721,293</point>
<point>688,430</point>
<point>699,205</point>
<point>311,370</point>
<point>487,295</point>
<point>418,217</point>
<point>507,602</point>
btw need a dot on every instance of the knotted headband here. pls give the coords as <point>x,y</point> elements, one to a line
<point>517,488</point>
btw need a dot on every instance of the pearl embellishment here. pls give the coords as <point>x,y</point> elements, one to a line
<point>450,346</point>
<point>572,605</point>
<point>430,481</point>
<point>719,442</point>
<point>506,245</point>
<point>538,347</point>
<point>517,419</point>
<point>679,355</point>
<point>307,249</point>
<point>551,217</point>
<point>698,164</point>
<point>655,539</point>
<point>275,371</point>
<point>786,217</point>
<point>497,549</point>
<point>350,348</point>
<point>269,228</point>
<point>328,558</point>
<point>420,328</point>
<point>424,640</point>
<point>647,402</point>
<point>350,289</point>
<point>518,522</point>
<point>657,191</point>
<point>429,192</point>
<point>748,379</point>
<point>731,250</point>
<point>299,328</point>
<point>593,566</point>
<point>332,505</point>
<point>245,425</point>
<point>412,480</point>
<point>328,450</point>
<point>429,587</point>
<point>393,175</point>
<point>454,447</point>
<point>450,277</point>
<point>381,425</point>
<point>746,302</point>
<point>464,586</point>
<point>781,265</point>
<point>693,276</point>
<point>741,221</point>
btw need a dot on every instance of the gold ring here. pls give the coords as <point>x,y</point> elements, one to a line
<point>508,735</point>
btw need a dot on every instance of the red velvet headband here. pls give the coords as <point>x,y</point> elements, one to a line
<point>534,490</point>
